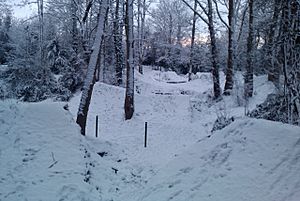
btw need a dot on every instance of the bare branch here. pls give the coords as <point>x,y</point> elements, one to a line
<point>219,15</point>
<point>197,13</point>
<point>88,7</point>
<point>242,23</point>
<point>202,7</point>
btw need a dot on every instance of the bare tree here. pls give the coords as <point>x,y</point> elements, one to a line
<point>214,52</point>
<point>40,4</point>
<point>141,16</point>
<point>290,57</point>
<point>118,44</point>
<point>249,66</point>
<point>75,38</point>
<point>193,42</point>
<point>274,70</point>
<point>209,21</point>
<point>229,71</point>
<point>91,73</point>
<point>129,96</point>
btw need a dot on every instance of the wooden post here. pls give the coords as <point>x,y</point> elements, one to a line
<point>145,134</point>
<point>96,125</point>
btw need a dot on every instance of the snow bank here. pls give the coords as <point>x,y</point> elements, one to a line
<point>41,154</point>
<point>249,160</point>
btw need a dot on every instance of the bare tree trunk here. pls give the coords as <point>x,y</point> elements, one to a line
<point>85,32</point>
<point>214,52</point>
<point>41,30</point>
<point>141,31</point>
<point>91,73</point>
<point>289,56</point>
<point>74,26</point>
<point>193,41</point>
<point>249,66</point>
<point>129,96</point>
<point>274,70</point>
<point>213,47</point>
<point>139,39</point>
<point>142,36</point>
<point>118,45</point>
<point>102,66</point>
<point>229,71</point>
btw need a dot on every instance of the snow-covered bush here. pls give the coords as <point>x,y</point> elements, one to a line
<point>32,85</point>
<point>223,116</point>
<point>56,57</point>
<point>29,84</point>
<point>3,92</point>
<point>71,79</point>
<point>275,108</point>
<point>62,93</point>
<point>221,122</point>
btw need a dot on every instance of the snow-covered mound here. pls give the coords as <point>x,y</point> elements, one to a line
<point>41,154</point>
<point>249,160</point>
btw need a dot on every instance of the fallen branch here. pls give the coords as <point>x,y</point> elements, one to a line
<point>54,161</point>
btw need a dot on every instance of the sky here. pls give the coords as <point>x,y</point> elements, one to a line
<point>22,11</point>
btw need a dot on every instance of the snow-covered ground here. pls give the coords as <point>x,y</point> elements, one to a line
<point>43,156</point>
<point>248,160</point>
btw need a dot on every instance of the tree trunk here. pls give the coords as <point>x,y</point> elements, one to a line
<point>229,71</point>
<point>141,33</point>
<point>41,30</point>
<point>129,96</point>
<point>90,78</point>
<point>74,27</point>
<point>274,69</point>
<point>193,41</point>
<point>289,56</point>
<point>249,66</point>
<point>214,52</point>
<point>118,45</point>
<point>139,39</point>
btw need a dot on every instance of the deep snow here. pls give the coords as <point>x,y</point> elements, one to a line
<point>43,156</point>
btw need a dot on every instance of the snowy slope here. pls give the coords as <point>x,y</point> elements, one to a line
<point>249,160</point>
<point>43,156</point>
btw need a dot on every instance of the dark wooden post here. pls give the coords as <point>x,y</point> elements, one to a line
<point>145,134</point>
<point>97,126</point>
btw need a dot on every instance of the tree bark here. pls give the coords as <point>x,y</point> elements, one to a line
<point>74,27</point>
<point>141,33</point>
<point>249,66</point>
<point>41,30</point>
<point>118,46</point>
<point>229,71</point>
<point>91,73</point>
<point>193,41</point>
<point>214,52</point>
<point>129,96</point>
<point>274,69</point>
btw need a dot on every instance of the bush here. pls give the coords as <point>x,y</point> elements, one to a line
<point>275,108</point>
<point>71,80</point>
<point>3,92</point>
<point>62,94</point>
<point>29,84</point>
<point>221,122</point>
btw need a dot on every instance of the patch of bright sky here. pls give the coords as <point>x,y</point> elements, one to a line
<point>24,11</point>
